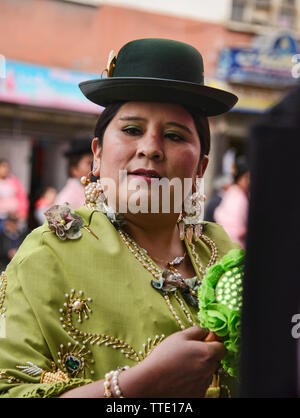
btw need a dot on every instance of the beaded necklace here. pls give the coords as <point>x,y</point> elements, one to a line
<point>95,199</point>
<point>142,256</point>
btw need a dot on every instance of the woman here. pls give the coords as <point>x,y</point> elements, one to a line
<point>13,198</point>
<point>232,213</point>
<point>79,158</point>
<point>85,296</point>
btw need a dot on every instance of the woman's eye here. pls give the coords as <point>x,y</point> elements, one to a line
<point>132,130</point>
<point>174,136</point>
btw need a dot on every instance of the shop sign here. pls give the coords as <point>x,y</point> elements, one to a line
<point>251,99</point>
<point>49,87</point>
<point>270,63</point>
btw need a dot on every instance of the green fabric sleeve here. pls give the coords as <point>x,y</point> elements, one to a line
<point>22,341</point>
<point>43,390</point>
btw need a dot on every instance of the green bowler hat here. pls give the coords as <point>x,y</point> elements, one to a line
<point>158,70</point>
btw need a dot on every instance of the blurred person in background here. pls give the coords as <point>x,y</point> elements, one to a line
<point>232,213</point>
<point>13,198</point>
<point>80,158</point>
<point>46,200</point>
<point>221,184</point>
<point>11,237</point>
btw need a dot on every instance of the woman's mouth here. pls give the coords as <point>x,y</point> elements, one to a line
<point>147,175</point>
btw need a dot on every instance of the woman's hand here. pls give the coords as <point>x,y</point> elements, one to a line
<point>180,366</point>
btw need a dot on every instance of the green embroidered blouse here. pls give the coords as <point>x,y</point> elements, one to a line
<point>70,311</point>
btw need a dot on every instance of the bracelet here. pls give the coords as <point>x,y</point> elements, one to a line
<point>115,381</point>
<point>107,392</point>
<point>112,377</point>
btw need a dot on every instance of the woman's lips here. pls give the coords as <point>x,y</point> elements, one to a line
<point>144,177</point>
<point>147,175</point>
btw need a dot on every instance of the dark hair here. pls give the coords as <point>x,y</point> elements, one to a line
<point>201,123</point>
<point>73,161</point>
<point>240,167</point>
<point>4,160</point>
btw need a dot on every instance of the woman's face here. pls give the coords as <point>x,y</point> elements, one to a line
<point>150,141</point>
<point>83,167</point>
<point>4,170</point>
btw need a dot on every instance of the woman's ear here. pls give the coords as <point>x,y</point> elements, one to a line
<point>97,154</point>
<point>202,166</point>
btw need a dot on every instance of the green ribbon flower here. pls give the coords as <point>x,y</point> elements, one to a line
<point>220,302</point>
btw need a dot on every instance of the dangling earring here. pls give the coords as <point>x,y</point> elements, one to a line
<point>189,222</point>
<point>95,198</point>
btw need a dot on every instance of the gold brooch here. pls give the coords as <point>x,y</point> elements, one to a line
<point>111,63</point>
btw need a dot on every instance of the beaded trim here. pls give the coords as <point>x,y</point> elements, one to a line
<point>142,256</point>
<point>98,339</point>
<point>3,284</point>
<point>55,375</point>
<point>10,379</point>
<point>214,253</point>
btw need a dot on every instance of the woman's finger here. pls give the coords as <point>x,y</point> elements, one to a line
<point>195,333</point>
<point>217,350</point>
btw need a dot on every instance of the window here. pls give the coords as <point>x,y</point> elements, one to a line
<point>261,11</point>
<point>262,15</point>
<point>252,11</point>
<point>238,10</point>
<point>287,14</point>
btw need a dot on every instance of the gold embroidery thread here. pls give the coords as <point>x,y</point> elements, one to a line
<point>99,339</point>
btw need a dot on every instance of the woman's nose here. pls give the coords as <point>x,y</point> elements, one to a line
<point>151,146</point>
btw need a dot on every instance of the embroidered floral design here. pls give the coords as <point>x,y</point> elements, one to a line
<point>220,302</point>
<point>78,304</point>
<point>74,359</point>
<point>65,223</point>
<point>66,318</point>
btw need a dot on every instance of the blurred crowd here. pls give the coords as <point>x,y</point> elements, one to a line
<point>14,208</point>
<point>14,201</point>
<point>228,205</point>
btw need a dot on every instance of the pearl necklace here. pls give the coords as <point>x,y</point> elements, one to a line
<point>142,256</point>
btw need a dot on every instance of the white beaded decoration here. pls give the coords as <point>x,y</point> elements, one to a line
<point>142,256</point>
<point>112,378</point>
<point>115,381</point>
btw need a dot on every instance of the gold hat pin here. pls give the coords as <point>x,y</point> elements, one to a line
<point>111,63</point>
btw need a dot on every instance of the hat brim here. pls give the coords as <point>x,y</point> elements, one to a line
<point>208,100</point>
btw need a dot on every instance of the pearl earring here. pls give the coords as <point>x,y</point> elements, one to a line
<point>189,222</point>
<point>95,198</point>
